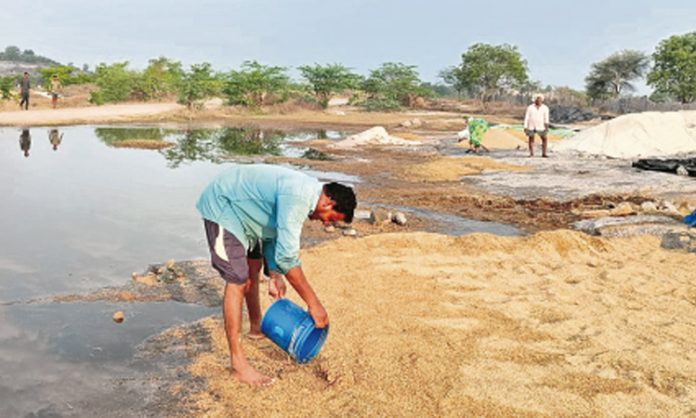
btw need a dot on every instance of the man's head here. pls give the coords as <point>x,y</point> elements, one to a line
<point>26,74</point>
<point>538,99</point>
<point>336,203</point>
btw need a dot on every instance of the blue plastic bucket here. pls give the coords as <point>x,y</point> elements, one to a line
<point>293,330</point>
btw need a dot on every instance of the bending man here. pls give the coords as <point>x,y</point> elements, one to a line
<point>254,213</point>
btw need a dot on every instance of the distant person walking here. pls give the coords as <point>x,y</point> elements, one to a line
<point>55,90</point>
<point>24,87</point>
<point>25,142</point>
<point>54,138</point>
<point>536,122</point>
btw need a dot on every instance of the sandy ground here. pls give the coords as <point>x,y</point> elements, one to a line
<point>85,115</point>
<point>555,324</point>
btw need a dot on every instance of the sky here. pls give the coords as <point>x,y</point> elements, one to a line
<point>559,39</point>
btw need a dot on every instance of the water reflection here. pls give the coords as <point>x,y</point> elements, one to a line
<point>212,144</point>
<point>55,138</point>
<point>25,142</point>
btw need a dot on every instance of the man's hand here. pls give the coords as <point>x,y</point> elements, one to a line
<point>319,315</point>
<point>276,286</point>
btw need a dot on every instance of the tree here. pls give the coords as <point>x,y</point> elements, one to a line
<point>161,77</point>
<point>12,53</point>
<point>198,83</point>
<point>453,78</point>
<point>115,83</point>
<point>328,80</point>
<point>392,85</point>
<point>674,69</point>
<point>487,70</point>
<point>7,84</point>
<point>613,76</point>
<point>254,82</point>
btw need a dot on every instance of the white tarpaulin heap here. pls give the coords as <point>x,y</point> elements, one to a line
<point>649,134</point>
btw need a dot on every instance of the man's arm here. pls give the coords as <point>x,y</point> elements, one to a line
<point>546,118</point>
<point>292,212</point>
<point>526,119</point>
<point>299,282</point>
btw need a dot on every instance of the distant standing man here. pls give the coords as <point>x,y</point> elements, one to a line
<point>55,90</point>
<point>536,121</point>
<point>254,213</point>
<point>24,87</point>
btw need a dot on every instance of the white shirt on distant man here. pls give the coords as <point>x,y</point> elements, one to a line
<point>536,118</point>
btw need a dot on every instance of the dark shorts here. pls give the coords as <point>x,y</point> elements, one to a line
<point>228,255</point>
<point>542,134</point>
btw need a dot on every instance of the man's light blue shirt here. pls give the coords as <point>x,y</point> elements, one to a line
<point>265,203</point>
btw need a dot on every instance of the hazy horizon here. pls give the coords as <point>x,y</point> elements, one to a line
<point>560,42</point>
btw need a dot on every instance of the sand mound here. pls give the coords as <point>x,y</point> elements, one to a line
<point>373,136</point>
<point>555,324</point>
<point>649,134</point>
<point>453,168</point>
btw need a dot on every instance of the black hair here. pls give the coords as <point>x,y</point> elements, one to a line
<point>344,197</point>
<point>26,73</point>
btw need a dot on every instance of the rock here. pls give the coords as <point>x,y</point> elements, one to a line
<point>630,226</point>
<point>682,171</point>
<point>668,208</point>
<point>170,264</point>
<point>399,218</point>
<point>406,124</point>
<point>118,317</point>
<point>610,205</point>
<point>622,209</point>
<point>416,123</point>
<point>379,216</point>
<point>685,241</point>
<point>315,154</point>
<point>330,229</point>
<point>648,206</point>
<point>684,209</point>
<point>362,215</point>
<point>150,279</point>
<point>350,232</point>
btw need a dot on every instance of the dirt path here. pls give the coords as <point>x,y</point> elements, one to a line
<point>84,115</point>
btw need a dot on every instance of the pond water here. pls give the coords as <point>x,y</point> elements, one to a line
<point>81,213</point>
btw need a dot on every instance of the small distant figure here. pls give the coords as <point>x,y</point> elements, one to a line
<point>463,135</point>
<point>24,87</point>
<point>25,142</point>
<point>536,122</point>
<point>55,90</point>
<point>477,130</point>
<point>54,138</point>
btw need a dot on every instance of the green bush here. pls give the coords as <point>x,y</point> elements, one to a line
<point>7,84</point>
<point>116,83</point>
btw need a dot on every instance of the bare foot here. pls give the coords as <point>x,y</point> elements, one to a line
<point>544,156</point>
<point>250,376</point>
<point>255,335</point>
